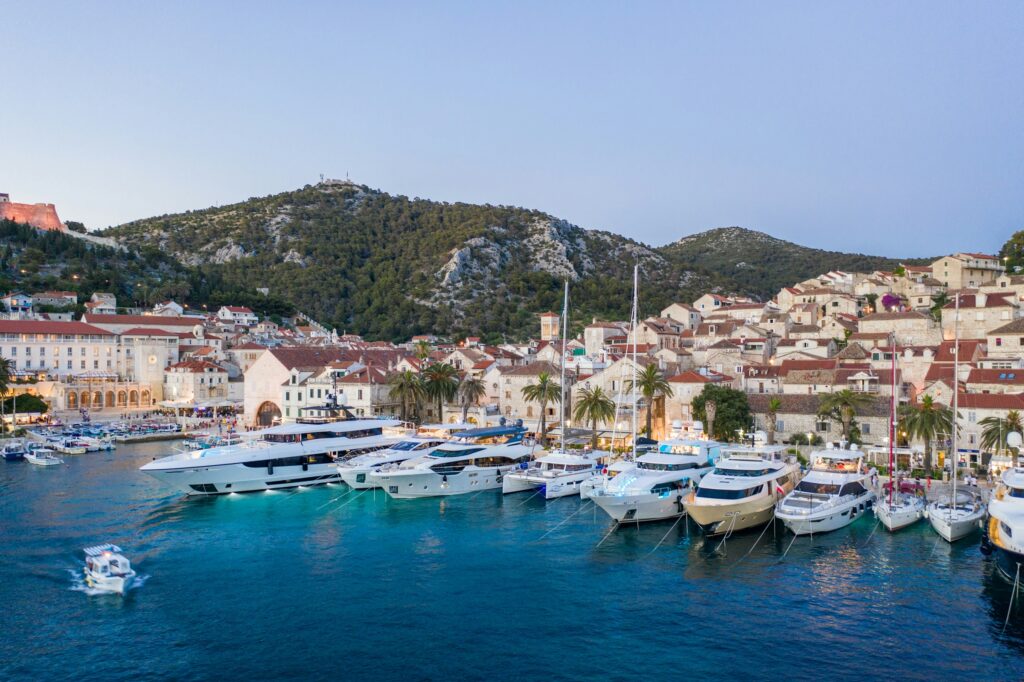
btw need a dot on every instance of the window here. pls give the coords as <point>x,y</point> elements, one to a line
<point>287,396</point>
<point>69,364</point>
<point>70,352</point>
<point>82,351</point>
<point>821,427</point>
<point>999,341</point>
<point>14,351</point>
<point>714,494</point>
<point>780,425</point>
<point>865,429</point>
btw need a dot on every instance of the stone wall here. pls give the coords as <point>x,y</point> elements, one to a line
<point>42,216</point>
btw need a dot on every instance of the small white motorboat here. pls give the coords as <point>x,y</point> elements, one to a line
<point>42,457</point>
<point>107,569</point>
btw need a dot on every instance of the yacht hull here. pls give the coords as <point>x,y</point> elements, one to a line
<point>956,526</point>
<point>554,486</point>
<point>729,518</point>
<point>359,479</point>
<point>639,508</point>
<point>403,486</point>
<point>898,516</point>
<point>238,478</point>
<point>825,521</point>
<point>114,584</point>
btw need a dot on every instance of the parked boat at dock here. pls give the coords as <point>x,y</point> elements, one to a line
<point>742,490</point>
<point>1004,528</point>
<point>356,471</point>
<point>832,495</point>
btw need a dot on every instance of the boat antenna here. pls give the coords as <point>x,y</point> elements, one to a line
<point>633,324</point>
<point>565,339</point>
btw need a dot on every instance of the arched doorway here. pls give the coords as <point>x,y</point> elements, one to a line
<point>133,398</point>
<point>84,399</point>
<point>72,399</point>
<point>97,400</point>
<point>267,413</point>
<point>145,398</point>
<point>122,398</point>
<point>109,401</point>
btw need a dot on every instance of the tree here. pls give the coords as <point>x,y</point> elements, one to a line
<point>653,386</point>
<point>842,406</point>
<point>5,375</point>
<point>724,410</point>
<point>1012,252</point>
<point>928,421</point>
<point>593,405</point>
<point>939,302</point>
<point>872,300</point>
<point>422,350</point>
<point>994,431</point>
<point>470,391</point>
<point>440,383</point>
<point>774,405</point>
<point>407,388</point>
<point>544,391</point>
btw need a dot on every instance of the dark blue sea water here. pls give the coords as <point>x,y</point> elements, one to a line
<point>331,584</point>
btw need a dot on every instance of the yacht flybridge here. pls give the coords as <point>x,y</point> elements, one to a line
<point>742,490</point>
<point>832,495</point>
<point>476,459</point>
<point>355,471</point>
<point>297,454</point>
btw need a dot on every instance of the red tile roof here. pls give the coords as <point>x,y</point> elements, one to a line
<point>142,320</point>
<point>1009,377</point>
<point>143,331</point>
<point>197,366</point>
<point>49,327</point>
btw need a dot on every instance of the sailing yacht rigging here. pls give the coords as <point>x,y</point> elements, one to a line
<point>962,513</point>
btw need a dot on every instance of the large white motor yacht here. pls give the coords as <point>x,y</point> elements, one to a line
<point>355,470</point>
<point>832,495</point>
<point>303,453</point>
<point>742,490</point>
<point>559,473</point>
<point>653,488</point>
<point>1004,530</point>
<point>476,459</point>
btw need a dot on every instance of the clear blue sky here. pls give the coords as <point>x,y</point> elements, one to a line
<point>891,128</point>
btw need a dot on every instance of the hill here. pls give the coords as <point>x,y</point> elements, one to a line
<point>760,265</point>
<point>389,266</point>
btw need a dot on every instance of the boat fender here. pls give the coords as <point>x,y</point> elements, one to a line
<point>986,545</point>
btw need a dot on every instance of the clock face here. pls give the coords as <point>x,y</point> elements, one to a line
<point>152,359</point>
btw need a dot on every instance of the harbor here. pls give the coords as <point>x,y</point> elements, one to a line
<point>354,581</point>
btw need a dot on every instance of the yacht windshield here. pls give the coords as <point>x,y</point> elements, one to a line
<point>405,445</point>
<point>679,449</point>
<point>460,452</point>
<point>1015,492</point>
<point>818,488</point>
<point>742,472</point>
<point>716,494</point>
<point>657,466</point>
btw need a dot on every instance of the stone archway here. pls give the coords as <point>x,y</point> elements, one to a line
<point>133,398</point>
<point>109,400</point>
<point>122,398</point>
<point>146,401</point>
<point>72,400</point>
<point>267,413</point>
<point>84,400</point>
<point>97,400</point>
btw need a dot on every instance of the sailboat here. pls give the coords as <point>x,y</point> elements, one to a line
<point>558,472</point>
<point>956,517</point>
<point>903,502</point>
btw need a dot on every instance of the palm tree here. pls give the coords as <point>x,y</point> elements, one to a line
<point>843,405</point>
<point>653,386</point>
<point>470,391</point>
<point>422,350</point>
<point>5,381</point>
<point>928,421</point>
<point>994,431</point>
<point>939,302</point>
<point>544,391</point>
<point>593,405</point>
<point>710,408</point>
<point>440,383</point>
<point>774,405</point>
<point>407,388</point>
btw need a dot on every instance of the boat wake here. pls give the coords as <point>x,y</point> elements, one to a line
<point>78,583</point>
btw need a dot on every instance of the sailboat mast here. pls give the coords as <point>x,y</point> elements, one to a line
<point>892,419</point>
<point>956,391</point>
<point>565,341</point>
<point>633,322</point>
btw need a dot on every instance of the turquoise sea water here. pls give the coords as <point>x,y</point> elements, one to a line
<point>331,584</point>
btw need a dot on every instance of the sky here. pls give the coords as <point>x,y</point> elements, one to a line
<point>876,127</point>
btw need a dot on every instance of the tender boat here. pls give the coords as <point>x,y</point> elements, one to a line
<point>68,446</point>
<point>355,471</point>
<point>901,507</point>
<point>107,569</point>
<point>477,459</point>
<point>43,457</point>
<point>832,495</point>
<point>13,451</point>
<point>558,473</point>
<point>654,487</point>
<point>742,490</point>
<point>1004,529</point>
<point>303,453</point>
<point>957,516</point>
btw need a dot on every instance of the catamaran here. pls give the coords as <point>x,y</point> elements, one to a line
<point>303,453</point>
